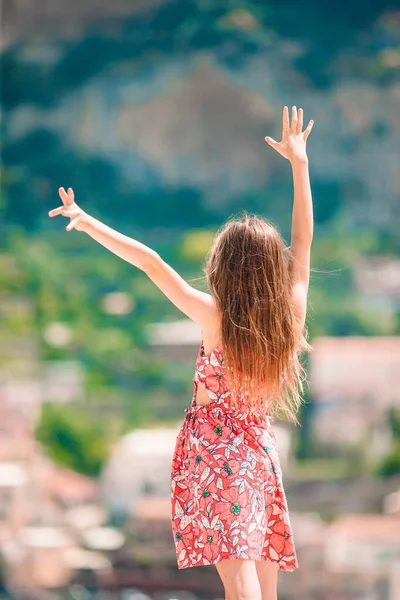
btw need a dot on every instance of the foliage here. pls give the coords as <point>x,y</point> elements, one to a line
<point>394,422</point>
<point>72,438</point>
<point>38,161</point>
<point>390,464</point>
<point>183,27</point>
<point>195,245</point>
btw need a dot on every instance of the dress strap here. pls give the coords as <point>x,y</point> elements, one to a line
<point>202,351</point>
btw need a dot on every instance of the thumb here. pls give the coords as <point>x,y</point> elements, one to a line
<point>271,142</point>
<point>73,223</point>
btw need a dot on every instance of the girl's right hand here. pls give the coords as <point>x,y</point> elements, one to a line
<point>78,217</point>
<point>293,144</point>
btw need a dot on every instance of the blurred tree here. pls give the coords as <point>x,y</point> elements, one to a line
<point>195,244</point>
<point>330,192</point>
<point>232,31</point>
<point>72,438</point>
<point>390,465</point>
<point>394,421</point>
<point>304,443</point>
<point>170,31</point>
<point>41,162</point>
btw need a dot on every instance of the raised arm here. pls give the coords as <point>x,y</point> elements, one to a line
<point>197,305</point>
<point>293,147</point>
<point>301,239</point>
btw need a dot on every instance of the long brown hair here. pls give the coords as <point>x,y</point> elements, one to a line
<point>248,274</point>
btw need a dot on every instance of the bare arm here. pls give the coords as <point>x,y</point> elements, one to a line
<point>197,305</point>
<point>301,239</point>
<point>133,251</point>
<point>293,147</point>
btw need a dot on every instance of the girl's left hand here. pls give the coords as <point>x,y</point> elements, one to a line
<point>294,139</point>
<point>70,209</point>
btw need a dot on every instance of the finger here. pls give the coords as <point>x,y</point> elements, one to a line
<point>271,142</point>
<point>71,196</point>
<point>56,211</point>
<point>63,195</point>
<point>308,130</point>
<point>69,213</point>
<point>294,119</point>
<point>285,119</point>
<point>73,223</point>
<point>300,121</point>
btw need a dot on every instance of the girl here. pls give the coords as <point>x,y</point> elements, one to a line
<point>228,502</point>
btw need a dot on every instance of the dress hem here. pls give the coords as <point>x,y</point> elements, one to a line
<point>281,565</point>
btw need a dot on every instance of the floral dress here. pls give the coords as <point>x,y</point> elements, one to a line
<point>227,495</point>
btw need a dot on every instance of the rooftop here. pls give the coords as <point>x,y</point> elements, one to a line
<point>371,527</point>
<point>71,487</point>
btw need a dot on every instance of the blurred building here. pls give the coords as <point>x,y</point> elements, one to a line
<point>34,559</point>
<point>41,545</point>
<point>391,503</point>
<point>309,537</point>
<point>365,549</point>
<point>341,495</point>
<point>139,466</point>
<point>367,543</point>
<point>150,521</point>
<point>378,279</point>
<point>37,526</point>
<point>49,516</point>
<point>62,381</point>
<point>354,381</point>
<point>176,340</point>
<point>20,403</point>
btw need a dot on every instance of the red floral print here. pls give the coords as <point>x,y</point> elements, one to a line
<point>216,382</point>
<point>281,538</point>
<point>211,544</point>
<point>227,494</point>
<point>230,468</point>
